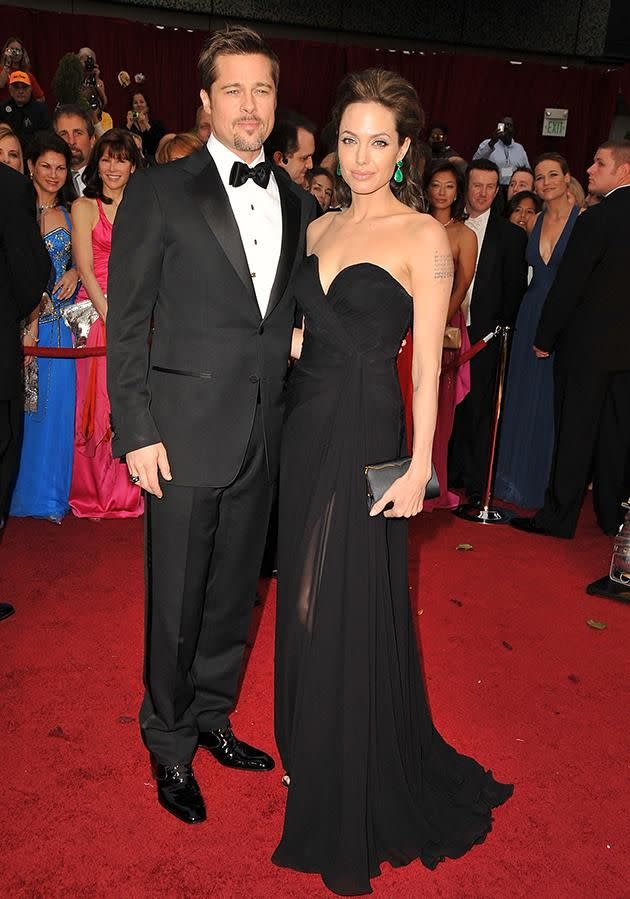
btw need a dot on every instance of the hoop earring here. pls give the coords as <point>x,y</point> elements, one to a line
<point>398,174</point>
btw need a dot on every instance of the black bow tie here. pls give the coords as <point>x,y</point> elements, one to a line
<point>259,174</point>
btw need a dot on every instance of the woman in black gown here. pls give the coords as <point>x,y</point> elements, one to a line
<point>370,779</point>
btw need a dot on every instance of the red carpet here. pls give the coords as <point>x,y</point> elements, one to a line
<point>515,676</point>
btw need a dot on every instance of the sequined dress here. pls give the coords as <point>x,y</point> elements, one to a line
<point>45,472</point>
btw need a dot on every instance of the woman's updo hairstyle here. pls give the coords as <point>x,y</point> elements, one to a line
<point>393,92</point>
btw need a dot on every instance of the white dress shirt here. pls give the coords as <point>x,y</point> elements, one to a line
<point>258,214</point>
<point>77,178</point>
<point>478,225</point>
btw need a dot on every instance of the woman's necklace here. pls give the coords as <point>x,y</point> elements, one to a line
<point>46,206</point>
<point>450,222</point>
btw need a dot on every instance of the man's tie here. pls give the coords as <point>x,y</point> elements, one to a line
<point>78,182</point>
<point>259,174</point>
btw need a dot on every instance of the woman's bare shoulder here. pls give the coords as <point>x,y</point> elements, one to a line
<point>318,228</point>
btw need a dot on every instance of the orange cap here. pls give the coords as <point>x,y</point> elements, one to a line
<point>19,78</point>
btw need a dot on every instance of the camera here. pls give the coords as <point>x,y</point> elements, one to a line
<point>134,114</point>
<point>15,52</point>
<point>501,127</point>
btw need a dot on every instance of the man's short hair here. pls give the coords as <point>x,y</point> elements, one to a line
<point>75,110</point>
<point>317,172</point>
<point>522,168</point>
<point>482,165</point>
<point>234,40</point>
<point>619,150</point>
<point>440,126</point>
<point>284,137</point>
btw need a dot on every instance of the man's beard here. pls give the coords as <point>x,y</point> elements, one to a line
<point>248,143</point>
<point>78,159</point>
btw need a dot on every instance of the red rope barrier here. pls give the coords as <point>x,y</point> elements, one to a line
<point>471,353</point>
<point>64,352</point>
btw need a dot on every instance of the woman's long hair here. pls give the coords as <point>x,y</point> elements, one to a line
<point>25,65</point>
<point>393,92</point>
<point>48,141</point>
<point>458,207</point>
<point>119,143</point>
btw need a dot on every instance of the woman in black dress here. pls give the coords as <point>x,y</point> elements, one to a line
<point>370,779</point>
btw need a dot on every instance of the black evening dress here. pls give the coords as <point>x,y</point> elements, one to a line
<point>371,778</point>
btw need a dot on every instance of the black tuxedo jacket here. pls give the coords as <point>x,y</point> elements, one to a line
<point>177,258</point>
<point>587,311</point>
<point>500,279</point>
<point>24,272</point>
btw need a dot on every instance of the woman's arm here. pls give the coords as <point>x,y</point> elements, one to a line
<point>465,270</point>
<point>431,267</point>
<point>84,217</point>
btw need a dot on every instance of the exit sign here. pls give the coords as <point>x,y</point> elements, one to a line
<point>555,122</point>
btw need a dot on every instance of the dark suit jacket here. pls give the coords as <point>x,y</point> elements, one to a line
<point>500,280</point>
<point>587,311</point>
<point>24,271</point>
<point>177,255</point>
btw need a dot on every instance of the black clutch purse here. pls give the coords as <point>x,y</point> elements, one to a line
<point>381,477</point>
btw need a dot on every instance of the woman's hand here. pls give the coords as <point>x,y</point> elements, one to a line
<point>67,284</point>
<point>28,340</point>
<point>130,119</point>
<point>143,121</point>
<point>407,495</point>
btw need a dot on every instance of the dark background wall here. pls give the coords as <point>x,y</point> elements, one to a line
<point>559,27</point>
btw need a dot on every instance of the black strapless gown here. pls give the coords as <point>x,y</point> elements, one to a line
<point>371,778</point>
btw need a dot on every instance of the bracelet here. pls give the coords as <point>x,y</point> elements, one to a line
<point>25,330</point>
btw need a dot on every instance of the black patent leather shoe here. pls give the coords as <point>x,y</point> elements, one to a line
<point>234,753</point>
<point>530,527</point>
<point>178,792</point>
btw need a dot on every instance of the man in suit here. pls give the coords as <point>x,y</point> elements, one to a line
<point>24,272</point>
<point>493,299</point>
<point>206,248</point>
<point>586,321</point>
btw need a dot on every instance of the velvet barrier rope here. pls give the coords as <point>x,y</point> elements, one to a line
<point>85,352</point>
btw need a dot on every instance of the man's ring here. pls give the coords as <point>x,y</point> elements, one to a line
<point>134,478</point>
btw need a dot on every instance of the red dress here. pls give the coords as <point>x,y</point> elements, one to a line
<point>100,483</point>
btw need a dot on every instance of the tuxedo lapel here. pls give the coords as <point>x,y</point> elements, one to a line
<point>217,211</point>
<point>290,206</point>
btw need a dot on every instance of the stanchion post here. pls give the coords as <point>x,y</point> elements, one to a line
<point>484,512</point>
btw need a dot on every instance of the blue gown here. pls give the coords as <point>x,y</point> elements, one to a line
<point>43,483</point>
<point>527,429</point>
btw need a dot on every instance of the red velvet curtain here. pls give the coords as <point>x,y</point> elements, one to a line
<point>470,93</point>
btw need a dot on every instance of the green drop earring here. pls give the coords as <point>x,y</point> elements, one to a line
<point>398,173</point>
<point>339,169</point>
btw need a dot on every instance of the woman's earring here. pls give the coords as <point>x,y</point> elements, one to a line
<point>398,174</point>
<point>339,170</point>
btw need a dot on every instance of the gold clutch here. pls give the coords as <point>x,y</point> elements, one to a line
<point>452,338</point>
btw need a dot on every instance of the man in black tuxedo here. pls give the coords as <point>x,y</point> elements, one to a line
<point>493,299</point>
<point>586,321</point>
<point>24,272</point>
<point>206,248</point>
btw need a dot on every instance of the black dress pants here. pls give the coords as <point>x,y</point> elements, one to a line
<point>592,436</point>
<point>468,452</point>
<point>11,425</point>
<point>204,550</point>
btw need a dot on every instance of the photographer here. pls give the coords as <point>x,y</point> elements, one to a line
<point>139,122</point>
<point>503,150</point>
<point>14,58</point>
<point>21,112</point>
<point>93,80</point>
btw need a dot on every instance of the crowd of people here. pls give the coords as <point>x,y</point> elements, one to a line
<point>230,252</point>
<point>80,165</point>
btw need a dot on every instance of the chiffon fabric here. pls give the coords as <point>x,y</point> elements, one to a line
<point>100,483</point>
<point>527,427</point>
<point>371,779</point>
<point>43,483</point>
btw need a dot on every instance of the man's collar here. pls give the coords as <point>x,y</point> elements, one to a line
<point>224,158</point>
<point>619,187</point>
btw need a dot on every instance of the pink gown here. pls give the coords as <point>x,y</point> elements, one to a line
<point>454,385</point>
<point>100,484</point>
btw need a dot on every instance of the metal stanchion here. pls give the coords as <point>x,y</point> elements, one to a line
<point>616,584</point>
<point>484,512</point>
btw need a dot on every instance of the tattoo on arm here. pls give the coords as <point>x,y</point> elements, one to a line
<point>442,266</point>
